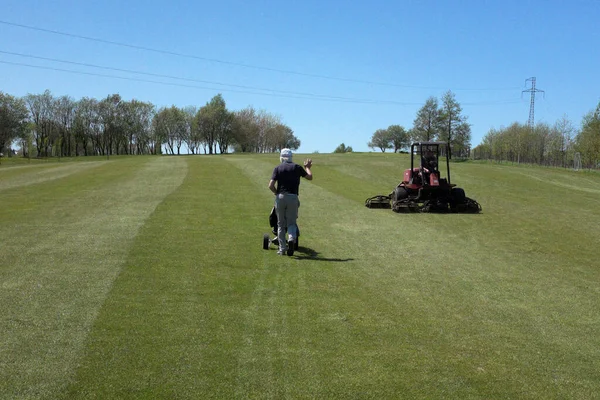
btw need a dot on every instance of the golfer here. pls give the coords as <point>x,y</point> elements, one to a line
<point>287,175</point>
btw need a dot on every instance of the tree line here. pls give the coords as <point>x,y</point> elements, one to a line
<point>45,125</point>
<point>559,144</point>
<point>433,122</point>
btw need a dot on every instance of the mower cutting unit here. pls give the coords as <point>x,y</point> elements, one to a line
<point>423,189</point>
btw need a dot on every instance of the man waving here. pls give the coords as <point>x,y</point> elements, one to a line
<point>287,175</point>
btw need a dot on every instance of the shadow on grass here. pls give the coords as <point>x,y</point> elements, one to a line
<point>306,253</point>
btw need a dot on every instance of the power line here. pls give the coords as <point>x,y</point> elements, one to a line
<point>176,77</point>
<point>284,94</point>
<point>224,62</point>
<point>342,100</point>
<point>493,102</point>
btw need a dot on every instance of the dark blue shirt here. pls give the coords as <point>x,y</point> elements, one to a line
<point>288,176</point>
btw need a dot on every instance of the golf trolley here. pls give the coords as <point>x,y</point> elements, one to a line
<point>273,223</point>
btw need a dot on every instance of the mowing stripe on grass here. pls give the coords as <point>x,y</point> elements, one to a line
<point>12,177</point>
<point>59,266</point>
<point>562,184</point>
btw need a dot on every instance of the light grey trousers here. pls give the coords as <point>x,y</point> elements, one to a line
<point>286,207</point>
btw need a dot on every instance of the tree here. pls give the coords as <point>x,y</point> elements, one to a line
<point>137,123</point>
<point>427,124</point>
<point>65,114</point>
<point>205,127</point>
<point>111,130</point>
<point>565,132</point>
<point>27,141</point>
<point>222,120</point>
<point>26,138</point>
<point>171,126</point>
<point>281,136</point>
<point>381,139</point>
<point>540,142</point>
<point>224,130</point>
<point>264,122</point>
<point>63,126</point>
<point>190,128</point>
<point>245,130</point>
<point>145,112</point>
<point>260,132</point>
<point>342,148</point>
<point>214,124</point>
<point>452,121</point>
<point>13,119</point>
<point>41,110</point>
<point>399,137</point>
<point>86,118</point>
<point>588,140</point>
<point>519,143</point>
<point>461,142</point>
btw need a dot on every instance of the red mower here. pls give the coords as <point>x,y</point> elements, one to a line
<point>424,188</point>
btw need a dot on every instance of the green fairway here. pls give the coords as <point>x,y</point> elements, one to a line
<point>144,277</point>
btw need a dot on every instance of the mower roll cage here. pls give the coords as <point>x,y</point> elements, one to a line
<point>429,146</point>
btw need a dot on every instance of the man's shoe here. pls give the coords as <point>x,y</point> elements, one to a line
<point>290,249</point>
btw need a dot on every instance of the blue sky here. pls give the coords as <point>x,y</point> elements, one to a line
<point>395,54</point>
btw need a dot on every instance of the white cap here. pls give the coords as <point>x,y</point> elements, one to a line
<point>286,155</point>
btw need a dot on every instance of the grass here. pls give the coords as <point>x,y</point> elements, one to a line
<point>143,277</point>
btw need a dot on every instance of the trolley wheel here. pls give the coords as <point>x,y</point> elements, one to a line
<point>266,242</point>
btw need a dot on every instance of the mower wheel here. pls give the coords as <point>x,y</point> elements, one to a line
<point>266,242</point>
<point>458,196</point>
<point>400,193</point>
